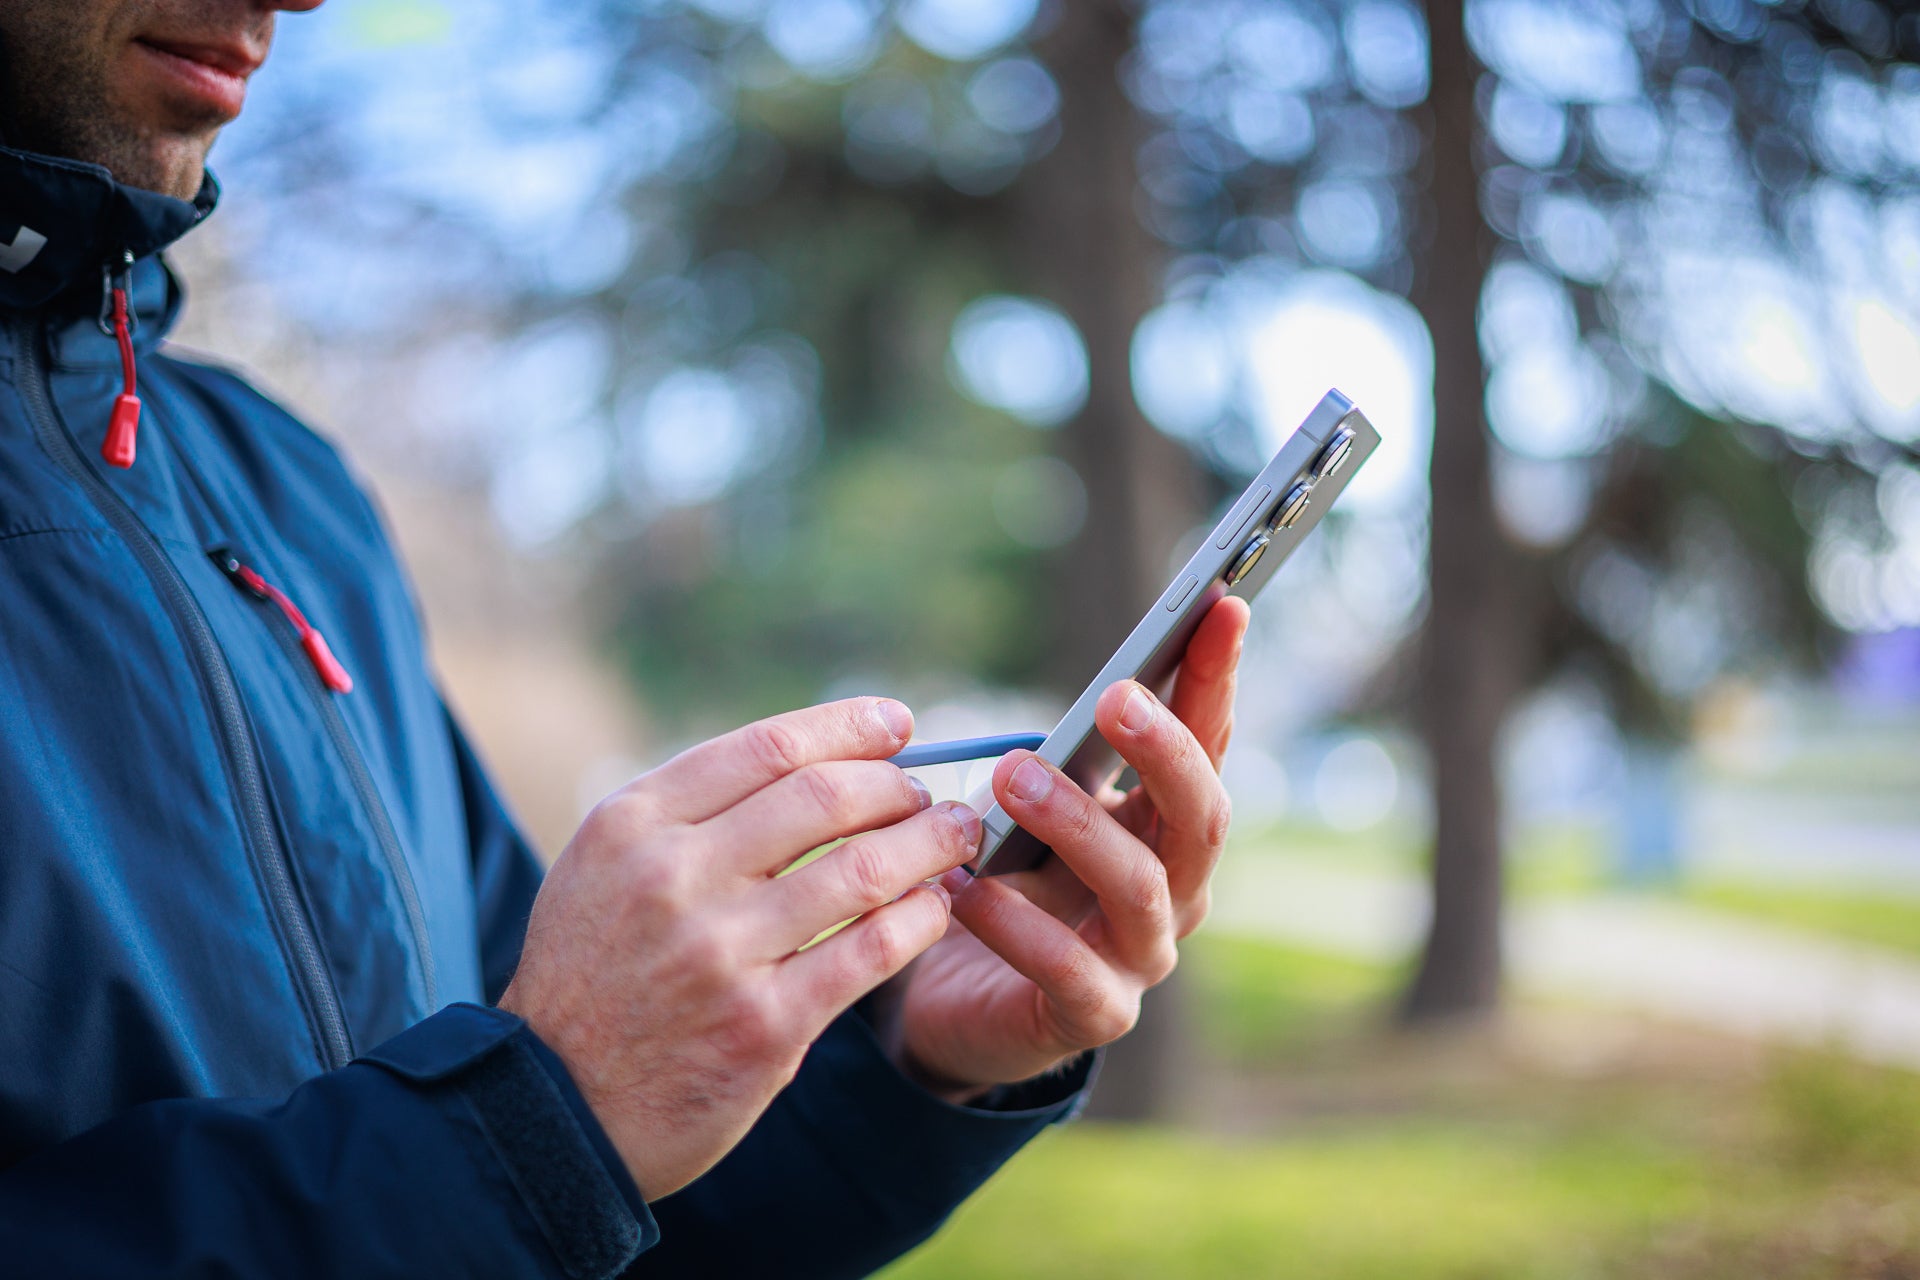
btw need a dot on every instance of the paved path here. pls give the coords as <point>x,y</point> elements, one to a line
<point>1711,969</point>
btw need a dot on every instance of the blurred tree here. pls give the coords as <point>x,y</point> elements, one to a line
<point>1469,674</point>
<point>1666,529</point>
<point>1080,242</point>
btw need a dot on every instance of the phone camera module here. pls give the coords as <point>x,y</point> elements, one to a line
<point>1249,556</point>
<point>1293,506</point>
<point>1334,456</point>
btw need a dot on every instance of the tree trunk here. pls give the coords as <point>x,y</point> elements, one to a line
<point>1470,659</point>
<point>1080,241</point>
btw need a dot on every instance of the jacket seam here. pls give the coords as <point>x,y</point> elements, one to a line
<point>14,535</point>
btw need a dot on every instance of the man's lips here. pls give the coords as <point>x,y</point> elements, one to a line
<point>216,74</point>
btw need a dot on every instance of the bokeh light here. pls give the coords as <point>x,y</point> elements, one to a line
<point>1019,356</point>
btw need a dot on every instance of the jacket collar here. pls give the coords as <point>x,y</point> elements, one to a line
<point>62,222</point>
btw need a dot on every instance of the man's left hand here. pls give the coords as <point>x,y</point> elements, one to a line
<point>1039,966</point>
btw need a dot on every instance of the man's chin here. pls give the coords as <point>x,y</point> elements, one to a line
<point>172,167</point>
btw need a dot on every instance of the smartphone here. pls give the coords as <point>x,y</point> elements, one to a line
<point>1279,508</point>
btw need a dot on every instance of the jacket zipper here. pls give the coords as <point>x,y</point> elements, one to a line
<point>238,750</point>
<point>300,652</point>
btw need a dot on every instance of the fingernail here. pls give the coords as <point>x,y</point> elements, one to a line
<point>946,899</point>
<point>955,882</point>
<point>926,796</point>
<point>1136,713</point>
<point>1030,781</point>
<point>895,718</point>
<point>968,821</point>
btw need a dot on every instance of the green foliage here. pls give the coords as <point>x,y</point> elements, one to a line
<point>1884,920</point>
<point>1490,1168</point>
<point>1835,1116</point>
<point>1439,1201</point>
<point>876,558</point>
<point>1261,1000</point>
<point>888,570</point>
<point>1426,1201</point>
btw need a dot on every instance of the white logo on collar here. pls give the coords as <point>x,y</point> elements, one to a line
<point>26,246</point>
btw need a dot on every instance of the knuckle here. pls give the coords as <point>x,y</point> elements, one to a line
<point>830,792</point>
<point>1183,746</point>
<point>1070,972</point>
<point>1198,908</point>
<point>707,955</point>
<point>1165,960</point>
<point>893,938</point>
<point>752,1020</point>
<point>864,871</point>
<point>658,877</point>
<point>881,948</point>
<point>1219,819</point>
<point>1147,890</point>
<point>619,819</point>
<point>1114,1017</point>
<point>775,747</point>
<point>1081,821</point>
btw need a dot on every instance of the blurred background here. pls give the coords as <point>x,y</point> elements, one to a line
<point>713,357</point>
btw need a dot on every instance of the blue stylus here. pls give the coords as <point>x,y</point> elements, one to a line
<point>967,749</point>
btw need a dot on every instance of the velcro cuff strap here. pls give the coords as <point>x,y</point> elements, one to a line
<point>558,1169</point>
<point>553,1163</point>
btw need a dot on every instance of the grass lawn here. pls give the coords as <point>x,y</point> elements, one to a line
<point>1388,1202</point>
<point>1412,1200</point>
<point>1890,920</point>
<point>1567,1146</point>
<point>1556,860</point>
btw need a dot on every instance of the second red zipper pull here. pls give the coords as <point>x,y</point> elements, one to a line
<point>312,643</point>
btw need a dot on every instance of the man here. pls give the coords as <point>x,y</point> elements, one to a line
<point>277,996</point>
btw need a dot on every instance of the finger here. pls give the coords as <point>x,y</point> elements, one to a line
<point>1190,805</point>
<point>1123,874</point>
<point>862,875</point>
<point>804,810</point>
<point>823,981</point>
<point>720,773</point>
<point>1055,889</point>
<point>1085,1003</point>
<point>1133,810</point>
<point>1203,689</point>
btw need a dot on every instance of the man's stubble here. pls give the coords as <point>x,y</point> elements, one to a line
<point>55,99</point>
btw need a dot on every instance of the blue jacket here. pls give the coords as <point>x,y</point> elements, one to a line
<point>251,923</point>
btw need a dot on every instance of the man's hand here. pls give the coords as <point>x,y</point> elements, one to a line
<point>1041,965</point>
<point>662,960</point>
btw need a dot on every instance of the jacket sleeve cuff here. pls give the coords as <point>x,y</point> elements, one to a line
<point>908,1137</point>
<point>559,1160</point>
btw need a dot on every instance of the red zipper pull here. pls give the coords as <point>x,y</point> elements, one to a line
<point>332,674</point>
<point>328,667</point>
<point>124,426</point>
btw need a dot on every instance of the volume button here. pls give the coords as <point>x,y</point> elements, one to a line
<point>1182,589</point>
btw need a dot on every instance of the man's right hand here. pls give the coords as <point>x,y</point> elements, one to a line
<point>662,961</point>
